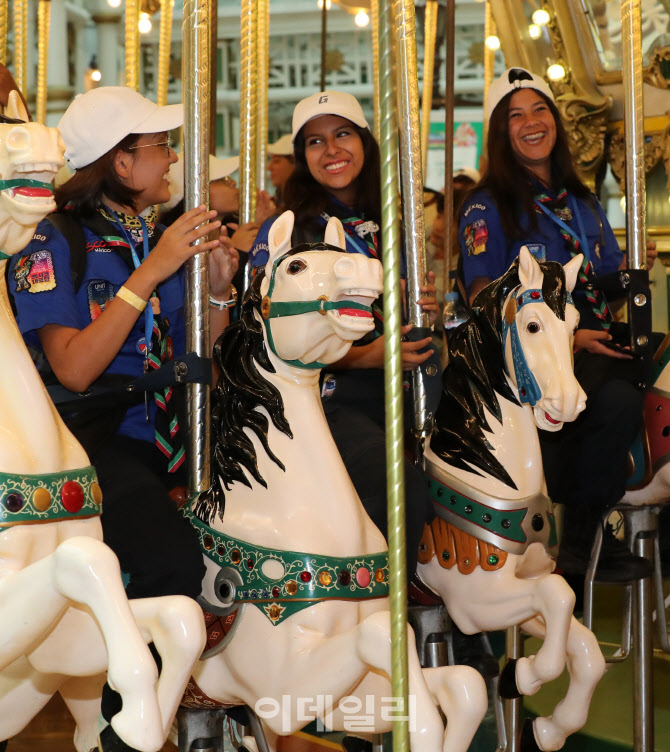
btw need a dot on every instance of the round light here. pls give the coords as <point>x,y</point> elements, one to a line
<point>534,31</point>
<point>362,19</point>
<point>556,72</point>
<point>114,3</point>
<point>144,24</point>
<point>541,17</point>
<point>96,75</point>
<point>493,43</point>
<point>328,2</point>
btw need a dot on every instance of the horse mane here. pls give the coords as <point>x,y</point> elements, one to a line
<point>475,375</point>
<point>240,390</point>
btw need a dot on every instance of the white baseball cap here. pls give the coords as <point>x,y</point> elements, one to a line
<point>282,147</point>
<point>218,169</point>
<point>328,103</point>
<point>511,80</point>
<point>95,122</point>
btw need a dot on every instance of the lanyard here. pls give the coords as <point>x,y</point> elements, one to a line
<point>354,241</point>
<point>148,311</point>
<point>574,208</point>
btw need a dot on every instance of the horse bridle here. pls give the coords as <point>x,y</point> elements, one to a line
<point>529,389</point>
<point>321,305</point>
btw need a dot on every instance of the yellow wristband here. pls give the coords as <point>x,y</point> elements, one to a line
<point>129,296</point>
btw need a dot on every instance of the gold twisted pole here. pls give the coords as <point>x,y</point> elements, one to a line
<point>164,52</point>
<point>196,78</point>
<point>248,151</point>
<point>489,59</point>
<point>429,37</point>
<point>4,21</point>
<point>132,44</point>
<point>20,12</point>
<point>395,469</point>
<point>43,20</point>
<point>376,97</point>
<point>450,38</point>
<point>263,63</point>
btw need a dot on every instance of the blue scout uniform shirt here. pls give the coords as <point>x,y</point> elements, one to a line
<point>486,252</point>
<point>40,279</point>
<point>260,251</point>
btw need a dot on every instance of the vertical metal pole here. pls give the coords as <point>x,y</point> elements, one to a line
<point>324,34</point>
<point>376,96</point>
<point>4,21</point>
<point>213,71</point>
<point>513,707</point>
<point>20,13</point>
<point>489,60</point>
<point>195,74</point>
<point>248,151</point>
<point>450,37</point>
<point>412,190</point>
<point>43,19</point>
<point>263,62</point>
<point>132,44</point>
<point>429,37</point>
<point>164,53</point>
<point>395,470</point>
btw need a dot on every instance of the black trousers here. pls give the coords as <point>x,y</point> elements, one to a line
<point>155,544</point>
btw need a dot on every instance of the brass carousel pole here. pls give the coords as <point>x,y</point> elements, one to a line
<point>324,27</point>
<point>489,59</point>
<point>263,63</point>
<point>132,44</point>
<point>395,470</point>
<point>164,52</point>
<point>450,37</point>
<point>429,37</point>
<point>412,191</point>
<point>43,20</point>
<point>4,21</point>
<point>248,150</point>
<point>20,13</point>
<point>376,97</point>
<point>196,78</point>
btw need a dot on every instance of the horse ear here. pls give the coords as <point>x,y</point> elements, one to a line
<point>15,107</point>
<point>530,274</point>
<point>335,233</point>
<point>571,270</point>
<point>279,236</point>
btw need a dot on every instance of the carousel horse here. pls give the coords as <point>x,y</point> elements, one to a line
<point>297,574</point>
<point>488,552</point>
<point>65,618</point>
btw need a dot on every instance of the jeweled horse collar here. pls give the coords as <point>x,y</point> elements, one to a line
<point>282,308</point>
<point>529,389</point>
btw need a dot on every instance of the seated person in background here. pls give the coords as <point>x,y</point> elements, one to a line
<point>531,195</point>
<point>280,166</point>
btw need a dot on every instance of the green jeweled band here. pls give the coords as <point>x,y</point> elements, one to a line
<point>71,494</point>
<point>307,578</point>
<point>24,183</point>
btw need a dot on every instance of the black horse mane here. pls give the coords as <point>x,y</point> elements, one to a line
<point>241,388</point>
<point>476,371</point>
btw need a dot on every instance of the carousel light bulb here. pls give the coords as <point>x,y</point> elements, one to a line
<point>328,3</point>
<point>492,42</point>
<point>362,19</point>
<point>556,72</point>
<point>114,3</point>
<point>96,75</point>
<point>541,17</point>
<point>534,31</point>
<point>144,24</point>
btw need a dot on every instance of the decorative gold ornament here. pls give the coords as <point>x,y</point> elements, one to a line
<point>658,73</point>
<point>656,148</point>
<point>96,492</point>
<point>42,499</point>
<point>291,587</point>
<point>334,61</point>
<point>380,575</point>
<point>585,123</point>
<point>265,307</point>
<point>325,578</point>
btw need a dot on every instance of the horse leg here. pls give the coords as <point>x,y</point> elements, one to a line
<point>82,697</point>
<point>176,626</point>
<point>586,666</point>
<point>23,693</point>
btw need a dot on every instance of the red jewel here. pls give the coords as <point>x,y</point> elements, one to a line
<point>305,576</point>
<point>72,496</point>
<point>535,295</point>
<point>250,563</point>
<point>275,592</point>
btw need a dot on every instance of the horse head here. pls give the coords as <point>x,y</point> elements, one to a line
<point>316,297</point>
<point>30,156</point>
<point>539,321</point>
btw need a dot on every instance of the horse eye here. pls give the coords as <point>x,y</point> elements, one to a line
<point>296,266</point>
<point>533,327</point>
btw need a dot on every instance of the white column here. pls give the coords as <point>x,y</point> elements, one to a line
<point>57,70</point>
<point>108,47</point>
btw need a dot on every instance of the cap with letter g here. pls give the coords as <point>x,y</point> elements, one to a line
<point>328,103</point>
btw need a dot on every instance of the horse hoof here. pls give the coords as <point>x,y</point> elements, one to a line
<point>528,743</point>
<point>507,688</point>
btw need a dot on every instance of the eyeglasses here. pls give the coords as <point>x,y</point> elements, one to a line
<point>167,144</point>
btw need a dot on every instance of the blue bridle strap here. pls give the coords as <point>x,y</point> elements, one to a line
<point>529,389</point>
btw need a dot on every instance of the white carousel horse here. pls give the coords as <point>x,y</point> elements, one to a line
<point>65,619</point>
<point>295,562</point>
<point>487,554</point>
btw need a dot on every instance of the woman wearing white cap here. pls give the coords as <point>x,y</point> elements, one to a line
<point>337,173</point>
<point>280,165</point>
<point>531,195</point>
<point>122,313</point>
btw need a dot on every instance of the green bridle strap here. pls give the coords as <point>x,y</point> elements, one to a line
<point>25,183</point>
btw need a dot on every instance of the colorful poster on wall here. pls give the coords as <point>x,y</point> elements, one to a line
<point>468,137</point>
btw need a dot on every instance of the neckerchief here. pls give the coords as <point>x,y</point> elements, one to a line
<point>561,213</point>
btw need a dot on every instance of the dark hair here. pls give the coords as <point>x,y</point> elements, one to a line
<point>503,168</point>
<point>85,191</point>
<point>307,198</point>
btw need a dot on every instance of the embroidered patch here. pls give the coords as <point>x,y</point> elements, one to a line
<point>481,207</point>
<point>538,250</point>
<point>476,235</point>
<point>35,273</point>
<point>99,294</point>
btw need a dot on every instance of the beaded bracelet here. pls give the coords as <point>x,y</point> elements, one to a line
<point>131,298</point>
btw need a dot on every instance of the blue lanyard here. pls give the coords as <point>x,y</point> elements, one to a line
<point>355,242</point>
<point>148,311</point>
<point>574,208</point>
